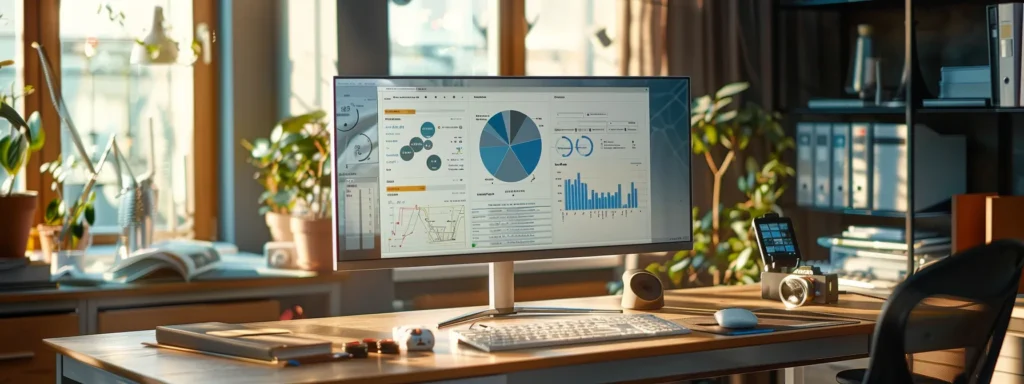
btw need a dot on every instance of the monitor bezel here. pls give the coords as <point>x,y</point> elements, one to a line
<point>493,257</point>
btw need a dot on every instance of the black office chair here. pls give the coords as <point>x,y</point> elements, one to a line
<point>986,275</point>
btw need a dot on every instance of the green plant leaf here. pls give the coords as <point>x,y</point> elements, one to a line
<point>260,148</point>
<point>697,144</point>
<point>739,228</point>
<point>13,149</point>
<point>731,89</point>
<point>53,214</point>
<point>743,258</point>
<point>696,118</point>
<point>77,230</point>
<point>711,135</point>
<point>726,117</point>
<point>720,104</point>
<point>726,142</point>
<point>12,116</point>
<point>90,214</point>
<point>654,268</point>
<point>37,136</point>
<point>702,103</point>
<point>295,124</point>
<point>741,183</point>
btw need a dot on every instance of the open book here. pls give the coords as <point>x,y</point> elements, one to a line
<point>169,260</point>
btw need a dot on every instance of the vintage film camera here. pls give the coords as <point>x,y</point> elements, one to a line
<point>779,251</point>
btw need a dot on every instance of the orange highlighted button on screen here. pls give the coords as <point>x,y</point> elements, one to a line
<point>399,111</point>
<point>408,188</point>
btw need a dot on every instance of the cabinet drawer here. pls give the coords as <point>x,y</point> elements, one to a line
<point>23,356</point>
<point>139,319</point>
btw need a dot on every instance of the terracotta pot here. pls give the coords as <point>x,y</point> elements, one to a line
<point>280,226</point>
<point>18,210</point>
<point>313,246</point>
<point>48,240</point>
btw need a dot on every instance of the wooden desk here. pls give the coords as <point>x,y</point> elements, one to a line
<point>121,356</point>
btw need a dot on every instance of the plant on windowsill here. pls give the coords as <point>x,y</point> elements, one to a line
<point>20,140</point>
<point>721,131</point>
<point>81,216</point>
<point>311,224</point>
<point>293,166</point>
<point>275,173</point>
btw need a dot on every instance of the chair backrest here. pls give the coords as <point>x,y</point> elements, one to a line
<point>987,275</point>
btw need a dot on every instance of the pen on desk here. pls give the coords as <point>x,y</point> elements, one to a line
<point>318,359</point>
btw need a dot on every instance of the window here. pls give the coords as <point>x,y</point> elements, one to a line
<point>107,95</point>
<point>571,37</point>
<point>10,11</point>
<point>439,37</point>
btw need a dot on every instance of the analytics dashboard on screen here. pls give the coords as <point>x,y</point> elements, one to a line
<point>462,169</point>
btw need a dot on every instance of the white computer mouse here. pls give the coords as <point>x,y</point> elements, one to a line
<point>736,318</point>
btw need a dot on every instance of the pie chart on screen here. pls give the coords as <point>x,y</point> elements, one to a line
<point>510,146</point>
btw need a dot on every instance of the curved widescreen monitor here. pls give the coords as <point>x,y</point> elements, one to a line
<point>458,170</point>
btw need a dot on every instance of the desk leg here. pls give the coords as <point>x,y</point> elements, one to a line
<point>794,375</point>
<point>60,372</point>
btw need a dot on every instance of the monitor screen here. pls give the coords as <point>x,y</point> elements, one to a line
<point>432,171</point>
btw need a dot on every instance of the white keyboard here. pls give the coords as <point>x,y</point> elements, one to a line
<point>567,332</point>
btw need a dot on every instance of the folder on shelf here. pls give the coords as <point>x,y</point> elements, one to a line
<point>1009,53</point>
<point>992,12</point>
<point>823,165</point>
<point>841,179</point>
<point>968,226</point>
<point>860,165</point>
<point>804,165</point>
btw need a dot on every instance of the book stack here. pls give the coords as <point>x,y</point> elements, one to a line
<point>22,274</point>
<point>963,87</point>
<point>871,253</point>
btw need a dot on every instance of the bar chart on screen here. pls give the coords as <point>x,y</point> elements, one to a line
<point>601,193</point>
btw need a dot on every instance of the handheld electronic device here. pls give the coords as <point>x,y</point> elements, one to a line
<point>777,242</point>
<point>464,170</point>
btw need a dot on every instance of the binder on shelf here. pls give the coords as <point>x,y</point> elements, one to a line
<point>992,11</point>
<point>939,167</point>
<point>1009,53</point>
<point>804,165</point>
<point>841,178</point>
<point>860,165</point>
<point>823,165</point>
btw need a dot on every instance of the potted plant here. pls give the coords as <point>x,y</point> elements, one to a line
<point>81,216</point>
<point>21,139</point>
<point>721,133</point>
<point>306,146</point>
<point>274,173</point>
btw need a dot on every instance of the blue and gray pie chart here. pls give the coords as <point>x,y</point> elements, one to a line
<point>510,146</point>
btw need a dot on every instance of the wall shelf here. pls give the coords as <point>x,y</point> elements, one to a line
<point>868,212</point>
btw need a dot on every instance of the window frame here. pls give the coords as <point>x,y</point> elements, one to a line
<point>41,23</point>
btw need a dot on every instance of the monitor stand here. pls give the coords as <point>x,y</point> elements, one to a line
<point>502,296</point>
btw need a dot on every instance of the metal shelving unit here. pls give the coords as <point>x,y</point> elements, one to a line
<point>913,107</point>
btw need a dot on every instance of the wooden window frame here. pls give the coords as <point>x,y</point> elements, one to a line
<point>41,23</point>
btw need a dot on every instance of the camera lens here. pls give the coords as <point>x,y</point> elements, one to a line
<point>795,291</point>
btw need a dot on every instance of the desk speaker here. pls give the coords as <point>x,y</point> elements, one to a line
<point>641,290</point>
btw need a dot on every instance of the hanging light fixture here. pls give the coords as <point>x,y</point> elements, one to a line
<point>157,47</point>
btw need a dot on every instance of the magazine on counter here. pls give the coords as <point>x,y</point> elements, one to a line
<point>169,260</point>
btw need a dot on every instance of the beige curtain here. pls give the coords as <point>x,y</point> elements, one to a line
<point>715,42</point>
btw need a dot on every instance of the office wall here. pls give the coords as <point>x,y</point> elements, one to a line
<point>249,109</point>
